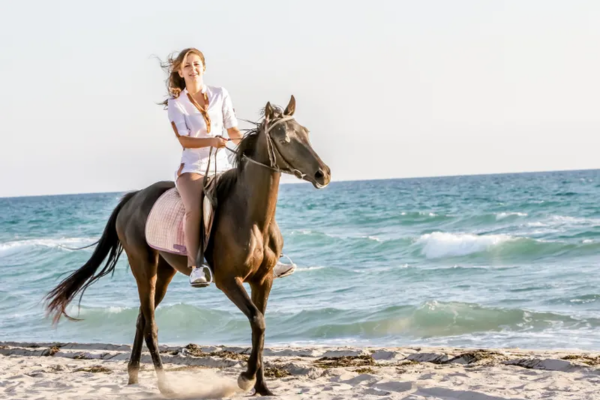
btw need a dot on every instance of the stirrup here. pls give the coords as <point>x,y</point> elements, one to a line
<point>282,270</point>
<point>202,276</point>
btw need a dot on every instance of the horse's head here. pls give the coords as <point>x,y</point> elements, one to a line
<point>289,147</point>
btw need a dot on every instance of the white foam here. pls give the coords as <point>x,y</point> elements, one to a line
<point>374,238</point>
<point>536,224</point>
<point>300,269</point>
<point>442,244</point>
<point>302,232</point>
<point>422,213</point>
<point>566,220</point>
<point>561,222</point>
<point>17,245</point>
<point>335,235</point>
<point>503,215</point>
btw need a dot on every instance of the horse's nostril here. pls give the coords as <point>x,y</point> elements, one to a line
<point>319,174</point>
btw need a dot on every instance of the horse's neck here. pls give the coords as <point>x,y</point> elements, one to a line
<point>261,186</point>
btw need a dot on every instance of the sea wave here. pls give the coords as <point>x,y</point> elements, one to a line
<point>184,322</point>
<point>442,244</point>
<point>306,269</point>
<point>308,239</point>
<point>438,245</point>
<point>59,243</point>
<point>564,221</point>
<point>503,215</point>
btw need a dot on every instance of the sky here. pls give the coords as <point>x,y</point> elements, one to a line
<point>388,89</point>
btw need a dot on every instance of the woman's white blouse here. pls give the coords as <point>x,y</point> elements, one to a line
<point>188,120</point>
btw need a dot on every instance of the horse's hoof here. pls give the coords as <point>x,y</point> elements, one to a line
<point>133,374</point>
<point>264,391</point>
<point>244,383</point>
<point>166,389</point>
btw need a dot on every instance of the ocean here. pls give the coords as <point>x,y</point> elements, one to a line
<point>473,261</point>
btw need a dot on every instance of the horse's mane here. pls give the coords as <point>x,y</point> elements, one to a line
<point>246,148</point>
<point>248,143</point>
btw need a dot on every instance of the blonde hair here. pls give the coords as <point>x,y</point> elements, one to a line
<point>175,83</point>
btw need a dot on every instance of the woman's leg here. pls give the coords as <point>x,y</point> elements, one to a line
<point>189,186</point>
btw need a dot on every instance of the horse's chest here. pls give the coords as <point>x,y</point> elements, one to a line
<point>260,251</point>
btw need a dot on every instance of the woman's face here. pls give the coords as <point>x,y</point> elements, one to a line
<point>191,68</point>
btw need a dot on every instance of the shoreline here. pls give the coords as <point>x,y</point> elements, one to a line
<point>99,371</point>
<point>292,345</point>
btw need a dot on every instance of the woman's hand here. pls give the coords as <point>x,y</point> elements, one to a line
<point>219,142</point>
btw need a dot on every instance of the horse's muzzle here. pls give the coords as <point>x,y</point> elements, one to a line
<point>322,177</point>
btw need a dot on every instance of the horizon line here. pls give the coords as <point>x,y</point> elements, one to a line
<point>337,181</point>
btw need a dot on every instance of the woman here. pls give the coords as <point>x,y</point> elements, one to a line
<point>198,114</point>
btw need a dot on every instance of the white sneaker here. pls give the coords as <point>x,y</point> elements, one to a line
<point>282,270</point>
<point>201,276</point>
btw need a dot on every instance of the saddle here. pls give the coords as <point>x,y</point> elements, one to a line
<point>164,226</point>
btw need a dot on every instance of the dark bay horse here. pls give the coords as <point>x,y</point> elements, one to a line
<point>245,243</point>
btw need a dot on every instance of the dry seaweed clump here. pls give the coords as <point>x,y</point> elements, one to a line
<point>194,350</point>
<point>365,370</point>
<point>587,360</point>
<point>274,372</point>
<point>345,361</point>
<point>229,355</point>
<point>51,351</point>
<point>407,362</point>
<point>474,357</point>
<point>94,369</point>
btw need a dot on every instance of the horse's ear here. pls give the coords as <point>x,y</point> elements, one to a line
<point>291,107</point>
<point>269,111</point>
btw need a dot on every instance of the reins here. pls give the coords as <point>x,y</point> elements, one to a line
<point>271,149</point>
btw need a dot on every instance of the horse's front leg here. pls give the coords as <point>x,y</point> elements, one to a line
<point>236,292</point>
<point>260,295</point>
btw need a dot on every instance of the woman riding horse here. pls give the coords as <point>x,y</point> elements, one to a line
<point>244,246</point>
<point>198,113</point>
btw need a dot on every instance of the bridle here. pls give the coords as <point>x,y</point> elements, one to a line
<point>272,150</point>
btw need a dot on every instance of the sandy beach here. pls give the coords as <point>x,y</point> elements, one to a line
<point>99,371</point>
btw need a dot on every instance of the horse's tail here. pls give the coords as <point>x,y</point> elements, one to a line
<point>108,245</point>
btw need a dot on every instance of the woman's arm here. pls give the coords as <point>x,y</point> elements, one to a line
<point>229,120</point>
<point>197,143</point>
<point>235,135</point>
<point>183,133</point>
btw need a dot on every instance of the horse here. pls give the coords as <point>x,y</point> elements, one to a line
<point>244,245</point>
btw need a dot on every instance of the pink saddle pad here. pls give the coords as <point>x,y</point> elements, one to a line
<point>164,227</point>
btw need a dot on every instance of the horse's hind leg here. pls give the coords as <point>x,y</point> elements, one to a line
<point>144,266</point>
<point>136,350</point>
<point>237,294</point>
<point>165,274</point>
